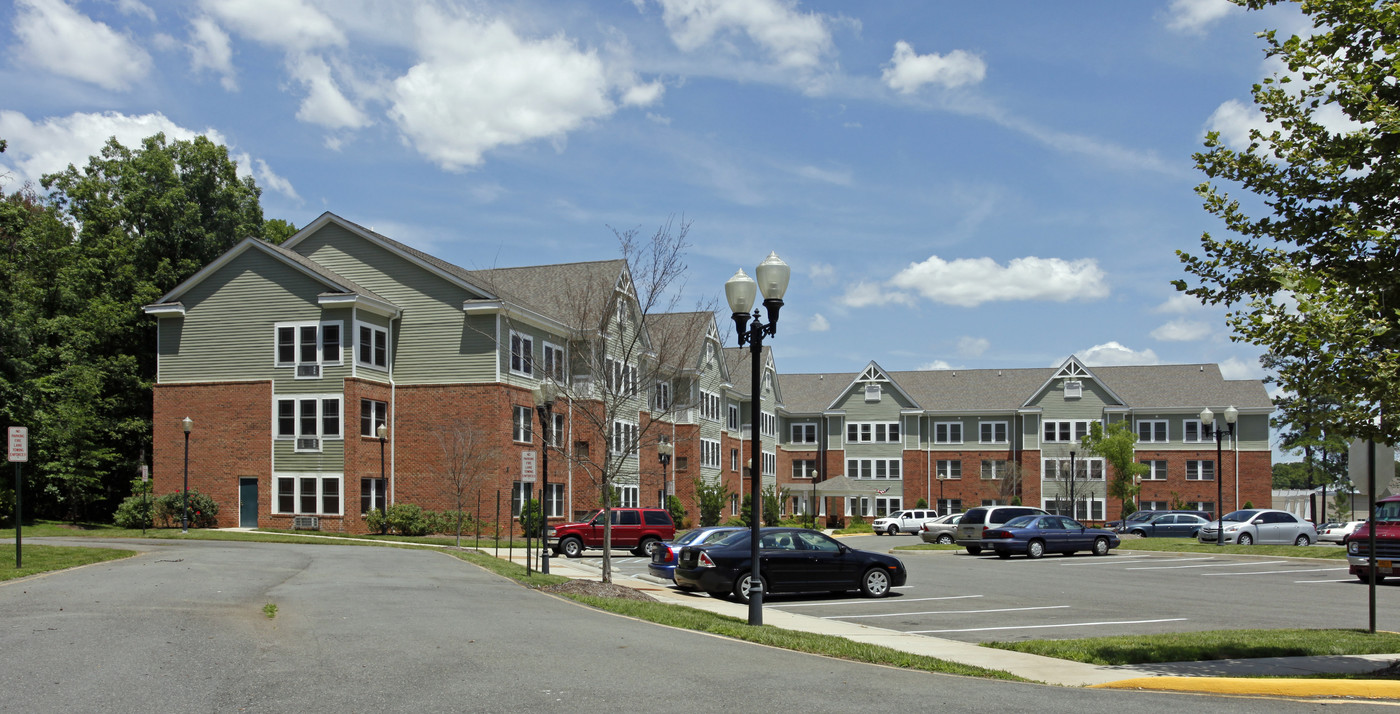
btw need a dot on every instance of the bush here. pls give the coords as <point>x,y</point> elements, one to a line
<point>711,498</point>
<point>678,512</point>
<point>203,512</point>
<point>408,519</point>
<point>531,516</point>
<point>7,508</point>
<point>135,512</point>
<point>374,521</point>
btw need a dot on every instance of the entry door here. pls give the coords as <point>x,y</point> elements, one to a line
<point>247,502</point>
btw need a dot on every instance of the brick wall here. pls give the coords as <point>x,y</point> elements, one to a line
<point>231,437</point>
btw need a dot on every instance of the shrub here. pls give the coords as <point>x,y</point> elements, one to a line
<point>203,512</point>
<point>135,512</point>
<point>711,498</point>
<point>531,516</point>
<point>678,512</point>
<point>921,503</point>
<point>7,508</point>
<point>408,519</point>
<point>374,521</point>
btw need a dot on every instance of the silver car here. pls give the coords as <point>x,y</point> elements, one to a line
<point>1337,532</point>
<point>1260,525</point>
<point>941,529</point>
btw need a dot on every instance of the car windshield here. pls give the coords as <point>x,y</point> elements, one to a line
<point>1140,515</point>
<point>691,537</point>
<point>1020,522</point>
<point>1388,511</point>
<point>1240,516</point>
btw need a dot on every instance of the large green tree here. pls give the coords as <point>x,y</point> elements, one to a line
<point>1117,445</point>
<point>1310,274</point>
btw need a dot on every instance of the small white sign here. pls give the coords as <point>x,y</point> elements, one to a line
<point>1357,458</point>
<point>527,466</point>
<point>19,444</point>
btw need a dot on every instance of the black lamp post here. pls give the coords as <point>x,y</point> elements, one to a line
<point>545,394</point>
<point>740,291</point>
<point>938,507</point>
<point>664,449</point>
<point>1207,417</point>
<point>188,423</point>
<point>812,474</point>
<point>383,432</point>
<point>1072,510</point>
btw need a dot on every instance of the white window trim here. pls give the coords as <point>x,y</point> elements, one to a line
<point>1202,432</point>
<point>804,427</point>
<point>1166,429</point>
<point>388,346</point>
<point>947,474</point>
<point>374,419</point>
<point>630,496</point>
<point>527,354</point>
<point>950,439</point>
<point>710,453</point>
<point>1073,429</point>
<point>516,411</point>
<point>860,469</point>
<point>1006,427</point>
<point>1200,469</point>
<point>1091,468</point>
<point>559,374</point>
<point>872,431</point>
<point>296,344</point>
<point>736,421</point>
<point>1152,470</point>
<point>298,434</point>
<point>321,478</point>
<point>631,433</point>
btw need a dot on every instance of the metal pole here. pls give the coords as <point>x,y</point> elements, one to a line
<point>755,471</point>
<point>19,519</point>
<point>383,486</point>
<point>498,523</point>
<point>546,423</point>
<point>1371,538</point>
<point>185,495</point>
<point>1219,494</point>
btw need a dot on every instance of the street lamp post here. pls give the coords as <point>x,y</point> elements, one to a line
<point>739,291</point>
<point>1207,418</point>
<point>188,423</point>
<point>812,474</point>
<point>938,507</point>
<point>383,432</point>
<point>664,449</point>
<point>545,395</point>
<point>1073,511</point>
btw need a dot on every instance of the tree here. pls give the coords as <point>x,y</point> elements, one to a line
<point>1117,445</point>
<point>465,455</point>
<point>1312,278</point>
<point>711,498</point>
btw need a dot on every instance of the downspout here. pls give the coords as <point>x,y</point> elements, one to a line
<point>394,402</point>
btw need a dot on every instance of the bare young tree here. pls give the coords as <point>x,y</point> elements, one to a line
<point>465,457</point>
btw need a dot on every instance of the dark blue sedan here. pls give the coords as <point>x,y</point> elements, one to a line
<point>663,557</point>
<point>1037,535</point>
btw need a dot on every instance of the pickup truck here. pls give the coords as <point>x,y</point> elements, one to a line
<point>1387,520</point>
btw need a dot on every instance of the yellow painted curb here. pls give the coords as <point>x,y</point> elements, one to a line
<point>1361,688</point>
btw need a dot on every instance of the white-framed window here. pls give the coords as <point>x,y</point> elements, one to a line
<point>1194,432</point>
<point>1152,431</point>
<point>992,432</point>
<point>709,405</point>
<point>554,362</point>
<point>733,459</point>
<point>630,496</point>
<point>993,502</point>
<point>948,432</point>
<point>309,419</point>
<point>553,500</point>
<point>308,494</point>
<point>770,464</point>
<point>372,346</point>
<point>522,354</point>
<point>734,421</point>
<point>1200,471</point>
<point>1157,470</point>
<point>993,469</point>
<point>622,377</point>
<point>1058,469</point>
<point>949,468</point>
<point>1207,506</point>
<point>624,437</point>
<point>804,433</point>
<point>1089,508</point>
<point>709,453</point>
<point>556,431</point>
<point>949,505</point>
<point>874,468</point>
<point>1066,430</point>
<point>371,495</point>
<point>858,506</point>
<point>372,413</point>
<point>307,346</point>
<point>864,432</point>
<point>733,504</point>
<point>523,424</point>
<point>521,492</point>
<point>662,399</point>
<point>804,468</point>
<point>885,505</point>
<point>768,424</point>
<point>1154,506</point>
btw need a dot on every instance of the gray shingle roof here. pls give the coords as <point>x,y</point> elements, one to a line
<point>679,337</point>
<point>326,273</point>
<point>575,294</point>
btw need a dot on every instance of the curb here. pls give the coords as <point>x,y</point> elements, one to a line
<point>1303,688</point>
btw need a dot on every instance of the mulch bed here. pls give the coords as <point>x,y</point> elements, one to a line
<point>597,589</point>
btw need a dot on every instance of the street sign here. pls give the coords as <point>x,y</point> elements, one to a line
<point>1356,465</point>
<point>19,444</point>
<point>527,466</point>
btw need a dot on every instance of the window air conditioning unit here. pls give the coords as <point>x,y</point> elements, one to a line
<point>308,445</point>
<point>1074,389</point>
<point>308,370</point>
<point>306,523</point>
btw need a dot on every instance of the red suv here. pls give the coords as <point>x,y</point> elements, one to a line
<point>640,529</point>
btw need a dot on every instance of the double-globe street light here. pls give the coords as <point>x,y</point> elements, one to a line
<point>739,291</point>
<point>664,449</point>
<point>1207,419</point>
<point>545,394</point>
<point>383,432</point>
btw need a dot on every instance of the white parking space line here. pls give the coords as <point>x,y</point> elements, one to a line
<point>1208,565</point>
<point>1276,572</point>
<point>1182,560</point>
<point>870,601</point>
<point>1041,627</point>
<point>1116,560</point>
<point>1310,582</point>
<point>947,612</point>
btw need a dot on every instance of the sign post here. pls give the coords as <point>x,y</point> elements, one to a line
<point>18,453</point>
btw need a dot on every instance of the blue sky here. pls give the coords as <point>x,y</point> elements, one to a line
<point>956,185</point>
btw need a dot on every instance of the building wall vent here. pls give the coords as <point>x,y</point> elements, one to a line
<point>1074,389</point>
<point>306,523</point>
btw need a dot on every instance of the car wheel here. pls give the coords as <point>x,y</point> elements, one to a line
<point>973,549</point>
<point>892,530</point>
<point>1196,533</point>
<point>876,583</point>
<point>1246,539</point>
<point>1100,546</point>
<point>945,539</point>
<point>1034,549</point>
<point>1003,554</point>
<point>1138,533</point>
<point>743,583</point>
<point>645,547</point>
<point>1302,539</point>
<point>571,547</point>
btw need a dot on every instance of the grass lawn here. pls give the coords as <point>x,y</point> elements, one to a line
<point>44,558</point>
<point>1210,645</point>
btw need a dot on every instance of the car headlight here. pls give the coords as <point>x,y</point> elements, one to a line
<point>1353,548</point>
<point>1232,529</point>
<point>550,533</point>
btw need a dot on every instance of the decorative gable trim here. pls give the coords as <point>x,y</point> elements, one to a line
<point>1071,372</point>
<point>873,374</point>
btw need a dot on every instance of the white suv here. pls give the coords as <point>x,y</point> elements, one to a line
<point>976,520</point>
<point>905,521</point>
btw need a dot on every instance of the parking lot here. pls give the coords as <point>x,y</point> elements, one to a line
<point>983,598</point>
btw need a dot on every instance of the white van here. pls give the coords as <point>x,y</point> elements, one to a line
<point>981,518</point>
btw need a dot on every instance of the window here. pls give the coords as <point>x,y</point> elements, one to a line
<point>733,459</point>
<point>949,505</point>
<point>709,453</point>
<point>372,414</point>
<point>521,492</point>
<point>872,432</point>
<point>308,420</point>
<point>1061,430</point>
<point>949,468</point>
<point>305,345</point>
<point>682,463</point>
<point>1154,506</point>
<point>1157,472</point>
<point>624,437</point>
<point>993,432</point>
<point>554,362</point>
<point>662,399</point>
<point>622,377</point>
<point>804,433</point>
<point>629,497</point>
<point>874,468</point>
<point>554,500</point>
<point>1058,469</point>
<point>992,502</point>
<point>371,495</point>
<point>709,405</point>
<point>804,468</point>
<point>770,464</point>
<point>947,432</point>
<point>522,354</point>
<point>733,504</point>
<point>581,450</point>
<point>768,424</point>
<point>1194,431</point>
<point>1207,506</point>
<point>373,347</point>
<point>523,424</point>
<point>1086,509</point>
<point>993,469</point>
<point>308,494</point>
<point>556,431</point>
<point>1200,471</point>
<point>734,417</point>
<point>1152,430</point>
<point>885,506</point>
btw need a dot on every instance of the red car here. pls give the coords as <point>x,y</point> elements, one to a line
<point>640,529</point>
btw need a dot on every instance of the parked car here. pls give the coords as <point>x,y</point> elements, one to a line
<point>941,530</point>
<point>1140,517</point>
<point>903,521</point>
<point>1387,552</point>
<point>1337,532</point>
<point>1260,525</point>
<point>640,529</point>
<point>976,520</point>
<point>663,557</point>
<point>1037,535</point>
<point>1168,525</point>
<point>790,560</point>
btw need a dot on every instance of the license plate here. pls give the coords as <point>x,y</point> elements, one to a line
<point>1383,566</point>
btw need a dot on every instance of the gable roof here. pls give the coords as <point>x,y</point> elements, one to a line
<point>678,342</point>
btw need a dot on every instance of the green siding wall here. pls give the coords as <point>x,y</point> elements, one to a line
<point>331,458</point>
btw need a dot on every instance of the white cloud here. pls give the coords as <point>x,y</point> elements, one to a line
<point>1182,331</point>
<point>971,282</point>
<point>324,104</point>
<point>641,95</point>
<point>1193,16</point>
<point>907,71</point>
<point>971,347</point>
<point>790,38</point>
<point>821,272</point>
<point>818,323</point>
<point>1236,368</point>
<point>1179,304</point>
<point>865,294</point>
<point>1114,354</point>
<point>58,39</point>
<point>50,146</point>
<point>936,364</point>
<point>841,177</point>
<point>661,119</point>
<point>479,85</point>
<point>209,49</point>
<point>287,24</point>
<point>136,7</point>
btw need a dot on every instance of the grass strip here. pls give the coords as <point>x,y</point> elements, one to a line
<point>45,558</point>
<point>1189,545</point>
<point>1209,645</point>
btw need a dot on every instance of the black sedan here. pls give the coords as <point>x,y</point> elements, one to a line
<point>790,560</point>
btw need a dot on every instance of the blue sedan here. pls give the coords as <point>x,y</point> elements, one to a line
<point>663,557</point>
<point>1037,535</point>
